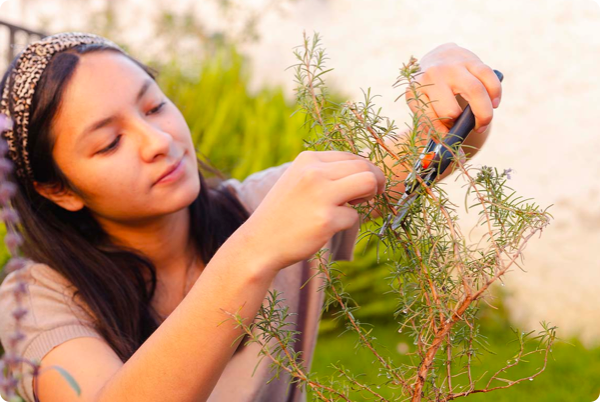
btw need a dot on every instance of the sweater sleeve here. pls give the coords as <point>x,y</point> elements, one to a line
<point>52,317</point>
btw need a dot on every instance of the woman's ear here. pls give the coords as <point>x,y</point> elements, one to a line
<point>64,198</point>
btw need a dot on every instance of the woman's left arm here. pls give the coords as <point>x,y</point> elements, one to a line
<point>451,77</point>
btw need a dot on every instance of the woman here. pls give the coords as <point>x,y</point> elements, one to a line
<point>132,258</point>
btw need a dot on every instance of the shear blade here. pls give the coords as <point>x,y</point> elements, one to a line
<point>403,210</point>
<point>403,205</point>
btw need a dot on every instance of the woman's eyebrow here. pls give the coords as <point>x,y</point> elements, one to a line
<point>106,121</point>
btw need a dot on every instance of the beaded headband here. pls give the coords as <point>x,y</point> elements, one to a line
<point>20,87</point>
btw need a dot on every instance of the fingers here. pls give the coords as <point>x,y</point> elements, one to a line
<point>345,218</point>
<point>447,83</point>
<point>347,176</point>
<point>444,103</point>
<point>329,156</point>
<point>449,70</point>
<point>341,169</point>
<point>490,80</point>
<point>476,94</point>
<point>357,186</point>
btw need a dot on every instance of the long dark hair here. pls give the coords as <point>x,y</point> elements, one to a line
<point>109,279</point>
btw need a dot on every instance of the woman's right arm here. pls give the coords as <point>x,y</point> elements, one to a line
<point>184,358</point>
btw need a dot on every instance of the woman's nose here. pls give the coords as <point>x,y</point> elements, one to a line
<point>153,140</point>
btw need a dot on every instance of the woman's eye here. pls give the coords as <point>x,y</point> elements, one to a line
<point>156,109</point>
<point>115,143</point>
<point>111,146</point>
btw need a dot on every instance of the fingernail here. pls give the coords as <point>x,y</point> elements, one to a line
<point>481,129</point>
<point>496,102</point>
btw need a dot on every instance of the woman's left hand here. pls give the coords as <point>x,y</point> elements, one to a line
<point>454,70</point>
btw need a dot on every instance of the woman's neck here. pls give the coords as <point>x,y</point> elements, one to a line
<point>166,241</point>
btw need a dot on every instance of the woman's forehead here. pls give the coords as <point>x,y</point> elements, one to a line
<point>102,73</point>
<point>103,83</point>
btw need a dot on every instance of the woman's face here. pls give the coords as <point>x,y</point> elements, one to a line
<point>115,134</point>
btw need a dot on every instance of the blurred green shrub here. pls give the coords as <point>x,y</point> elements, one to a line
<point>4,255</point>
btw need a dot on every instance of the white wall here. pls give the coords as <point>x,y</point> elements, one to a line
<point>545,129</point>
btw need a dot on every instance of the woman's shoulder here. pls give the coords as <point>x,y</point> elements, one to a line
<point>47,298</point>
<point>35,276</point>
<point>48,315</point>
<point>255,187</point>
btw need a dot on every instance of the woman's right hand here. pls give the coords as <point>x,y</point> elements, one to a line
<point>308,205</point>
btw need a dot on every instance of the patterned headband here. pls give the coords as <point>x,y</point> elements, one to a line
<point>20,87</point>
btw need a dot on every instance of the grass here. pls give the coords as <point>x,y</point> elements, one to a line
<point>572,374</point>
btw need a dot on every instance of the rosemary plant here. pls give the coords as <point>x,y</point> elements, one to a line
<point>438,277</point>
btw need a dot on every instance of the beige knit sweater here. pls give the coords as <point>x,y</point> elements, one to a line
<point>54,317</point>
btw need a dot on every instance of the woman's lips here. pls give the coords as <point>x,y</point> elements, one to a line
<point>174,173</point>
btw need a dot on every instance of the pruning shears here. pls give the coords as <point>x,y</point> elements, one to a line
<point>432,162</point>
